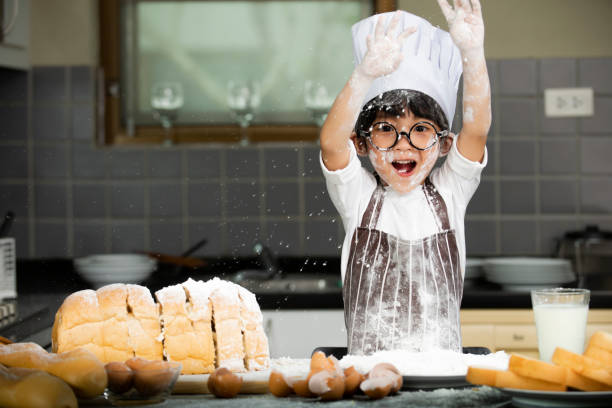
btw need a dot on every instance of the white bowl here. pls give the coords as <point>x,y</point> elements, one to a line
<point>100,270</point>
<point>522,271</point>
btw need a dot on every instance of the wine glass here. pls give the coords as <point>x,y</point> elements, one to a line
<point>166,100</point>
<point>317,100</point>
<point>243,97</point>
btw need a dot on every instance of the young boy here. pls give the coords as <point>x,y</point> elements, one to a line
<point>403,256</point>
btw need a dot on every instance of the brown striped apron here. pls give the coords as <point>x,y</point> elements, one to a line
<point>402,294</point>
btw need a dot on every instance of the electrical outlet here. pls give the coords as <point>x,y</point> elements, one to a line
<point>568,102</point>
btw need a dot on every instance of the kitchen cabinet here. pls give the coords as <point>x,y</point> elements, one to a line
<point>14,43</point>
<point>295,333</point>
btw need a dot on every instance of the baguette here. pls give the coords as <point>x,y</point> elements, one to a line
<point>79,368</point>
<point>588,367</point>
<point>29,388</point>
<point>540,370</point>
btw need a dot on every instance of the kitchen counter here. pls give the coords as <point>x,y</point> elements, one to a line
<point>460,398</point>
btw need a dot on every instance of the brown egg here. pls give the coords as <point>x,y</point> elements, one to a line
<point>387,369</point>
<point>300,387</point>
<point>136,363</point>
<point>278,385</point>
<point>152,377</point>
<point>377,388</point>
<point>327,384</point>
<point>223,383</point>
<point>319,362</point>
<point>352,379</point>
<point>120,377</point>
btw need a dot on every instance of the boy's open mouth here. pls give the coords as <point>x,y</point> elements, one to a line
<point>404,167</point>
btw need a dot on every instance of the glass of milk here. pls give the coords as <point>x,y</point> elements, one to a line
<point>561,318</point>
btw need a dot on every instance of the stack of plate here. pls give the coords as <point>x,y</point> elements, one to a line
<point>524,274</point>
<point>473,271</point>
<point>100,270</point>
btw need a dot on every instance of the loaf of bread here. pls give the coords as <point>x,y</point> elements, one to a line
<point>82,370</point>
<point>202,325</point>
<point>29,388</point>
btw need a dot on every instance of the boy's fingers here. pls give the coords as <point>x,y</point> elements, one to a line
<point>379,30</point>
<point>465,5</point>
<point>476,9</point>
<point>446,8</point>
<point>369,41</point>
<point>394,23</point>
<point>406,33</point>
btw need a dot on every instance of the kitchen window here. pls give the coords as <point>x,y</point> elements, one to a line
<point>223,71</point>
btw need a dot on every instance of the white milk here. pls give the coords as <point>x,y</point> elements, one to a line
<point>560,325</point>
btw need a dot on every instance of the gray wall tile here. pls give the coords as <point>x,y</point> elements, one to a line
<point>480,238</point>
<point>242,162</point>
<point>312,166</point>
<point>51,162</point>
<point>88,162</point>
<point>283,237</point>
<point>558,196</point>
<point>282,198</point>
<point>518,237</point>
<point>518,77</point>
<point>14,197</point>
<point>167,237</point>
<point>317,201</point>
<point>51,239</point>
<point>204,163</point>
<point>89,201</point>
<point>89,238</point>
<point>281,162</point>
<point>126,163</point>
<point>165,200</point>
<point>13,85</point>
<point>558,156</point>
<point>557,126</point>
<point>204,199</point>
<point>518,157</point>
<point>14,121</point>
<point>242,199</point>
<point>127,200</point>
<point>212,232</point>
<point>596,196</point>
<point>242,237</point>
<point>13,162</point>
<point>128,237</point>
<point>551,231</point>
<point>51,200</point>
<point>49,84</point>
<point>557,73</point>
<point>49,122</point>
<point>82,83</point>
<point>164,163</point>
<point>518,116</point>
<point>83,121</point>
<point>595,73</point>
<point>595,155</point>
<point>322,238</point>
<point>483,201</point>
<point>601,122</point>
<point>21,232</point>
<point>517,197</point>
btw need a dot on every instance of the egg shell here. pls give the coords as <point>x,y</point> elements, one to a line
<point>352,379</point>
<point>300,387</point>
<point>120,377</point>
<point>328,385</point>
<point>277,384</point>
<point>387,369</point>
<point>319,362</point>
<point>377,388</point>
<point>223,383</point>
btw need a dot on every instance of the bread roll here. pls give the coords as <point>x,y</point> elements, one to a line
<point>29,388</point>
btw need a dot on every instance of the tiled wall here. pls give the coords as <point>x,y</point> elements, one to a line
<point>545,175</point>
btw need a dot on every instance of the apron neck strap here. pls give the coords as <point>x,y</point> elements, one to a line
<point>435,200</point>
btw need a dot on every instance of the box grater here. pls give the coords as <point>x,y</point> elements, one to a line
<point>8,275</point>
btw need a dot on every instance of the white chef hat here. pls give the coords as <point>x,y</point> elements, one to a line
<point>432,62</point>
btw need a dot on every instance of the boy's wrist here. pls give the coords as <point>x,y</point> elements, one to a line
<point>472,55</point>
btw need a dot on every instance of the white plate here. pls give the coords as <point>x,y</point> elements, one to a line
<point>426,382</point>
<point>529,398</point>
<point>528,271</point>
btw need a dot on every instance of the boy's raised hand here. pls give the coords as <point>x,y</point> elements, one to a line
<point>384,53</point>
<point>465,23</point>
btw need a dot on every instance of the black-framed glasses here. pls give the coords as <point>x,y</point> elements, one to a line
<point>422,135</point>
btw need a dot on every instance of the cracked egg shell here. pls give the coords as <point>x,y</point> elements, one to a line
<point>377,388</point>
<point>278,385</point>
<point>300,387</point>
<point>327,385</point>
<point>352,379</point>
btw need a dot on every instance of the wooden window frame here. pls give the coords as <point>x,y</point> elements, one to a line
<point>112,132</point>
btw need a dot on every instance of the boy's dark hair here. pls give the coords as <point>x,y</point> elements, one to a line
<point>400,101</point>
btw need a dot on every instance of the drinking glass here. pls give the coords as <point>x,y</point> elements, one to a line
<point>166,100</point>
<point>561,318</point>
<point>243,97</point>
<point>317,100</point>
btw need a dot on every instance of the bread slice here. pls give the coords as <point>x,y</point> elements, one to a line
<point>540,370</point>
<point>179,337</point>
<point>510,379</point>
<point>78,323</point>
<point>227,325</point>
<point>582,383</point>
<point>112,300</point>
<point>199,312</point>
<point>582,365</point>
<point>481,376</point>
<point>256,348</point>
<point>602,340</point>
<point>599,354</point>
<point>144,330</point>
